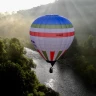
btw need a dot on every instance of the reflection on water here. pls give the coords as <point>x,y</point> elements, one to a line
<point>63,79</point>
<point>50,83</point>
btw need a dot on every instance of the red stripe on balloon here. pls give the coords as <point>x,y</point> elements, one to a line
<point>55,35</point>
<point>52,55</point>
<point>41,54</point>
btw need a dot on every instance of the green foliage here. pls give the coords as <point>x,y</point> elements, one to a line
<point>31,94</point>
<point>15,49</point>
<point>83,59</point>
<point>16,76</point>
<point>90,72</point>
<point>2,51</point>
<point>12,79</point>
<point>41,94</point>
<point>88,47</point>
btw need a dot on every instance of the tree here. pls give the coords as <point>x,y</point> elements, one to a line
<point>2,51</point>
<point>16,76</point>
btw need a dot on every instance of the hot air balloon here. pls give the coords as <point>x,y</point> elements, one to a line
<point>51,36</point>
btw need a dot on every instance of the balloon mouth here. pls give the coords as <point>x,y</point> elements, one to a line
<point>51,62</point>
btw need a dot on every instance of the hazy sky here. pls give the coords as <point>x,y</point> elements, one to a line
<point>14,5</point>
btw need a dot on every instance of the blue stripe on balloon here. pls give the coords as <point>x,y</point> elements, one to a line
<point>52,20</point>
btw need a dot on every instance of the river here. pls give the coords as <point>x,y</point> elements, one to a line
<point>62,80</point>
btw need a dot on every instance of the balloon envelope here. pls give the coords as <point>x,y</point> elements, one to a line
<point>51,35</point>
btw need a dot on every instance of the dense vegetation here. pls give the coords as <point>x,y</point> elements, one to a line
<point>16,76</point>
<point>82,58</point>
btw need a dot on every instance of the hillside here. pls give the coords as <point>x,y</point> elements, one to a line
<point>82,14</point>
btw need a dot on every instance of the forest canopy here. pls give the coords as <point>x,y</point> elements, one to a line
<point>82,58</point>
<point>16,76</point>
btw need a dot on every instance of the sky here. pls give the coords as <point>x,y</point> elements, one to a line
<point>15,5</point>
